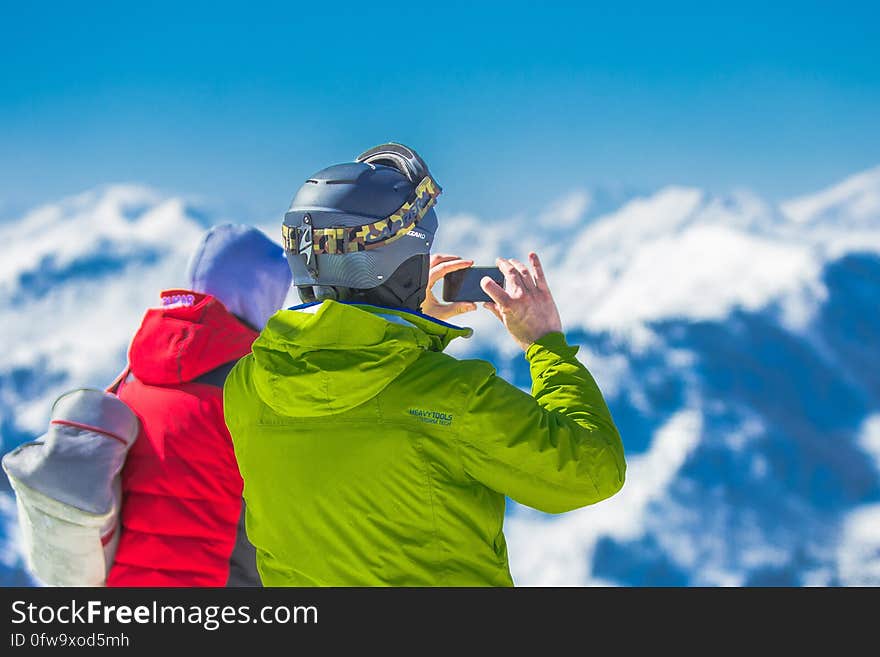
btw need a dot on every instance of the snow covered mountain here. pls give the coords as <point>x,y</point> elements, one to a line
<point>75,281</point>
<point>736,341</point>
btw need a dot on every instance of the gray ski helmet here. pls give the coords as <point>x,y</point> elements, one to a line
<point>352,225</point>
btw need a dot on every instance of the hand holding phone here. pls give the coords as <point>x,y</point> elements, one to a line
<point>524,303</point>
<point>464,284</point>
<point>442,264</point>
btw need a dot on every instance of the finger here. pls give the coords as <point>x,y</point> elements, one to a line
<point>437,258</point>
<point>511,275</point>
<point>526,275</point>
<point>460,307</point>
<point>491,307</point>
<point>495,291</point>
<point>538,269</point>
<point>451,265</point>
<point>440,270</point>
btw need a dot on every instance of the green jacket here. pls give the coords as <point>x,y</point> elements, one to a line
<point>370,457</point>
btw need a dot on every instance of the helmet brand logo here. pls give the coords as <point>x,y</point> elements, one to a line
<point>415,233</point>
<point>305,239</point>
<point>304,242</point>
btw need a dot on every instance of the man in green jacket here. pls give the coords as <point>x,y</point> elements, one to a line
<point>369,456</point>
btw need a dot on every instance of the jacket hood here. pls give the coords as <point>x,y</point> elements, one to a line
<point>242,268</point>
<point>327,357</point>
<point>190,335</point>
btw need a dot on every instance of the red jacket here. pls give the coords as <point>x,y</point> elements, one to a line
<point>181,485</point>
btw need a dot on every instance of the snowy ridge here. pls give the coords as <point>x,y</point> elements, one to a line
<point>79,275</point>
<point>120,221</point>
<point>852,203</point>
<point>680,253</point>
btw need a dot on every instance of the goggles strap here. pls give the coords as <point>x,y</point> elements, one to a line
<point>309,241</point>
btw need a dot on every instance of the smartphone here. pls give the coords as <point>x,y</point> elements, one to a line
<point>464,284</point>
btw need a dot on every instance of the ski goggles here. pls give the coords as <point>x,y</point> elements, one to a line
<point>307,240</point>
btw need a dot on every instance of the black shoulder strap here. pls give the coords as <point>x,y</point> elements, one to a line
<point>113,388</point>
<point>217,376</point>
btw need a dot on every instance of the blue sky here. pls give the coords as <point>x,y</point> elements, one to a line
<point>512,104</point>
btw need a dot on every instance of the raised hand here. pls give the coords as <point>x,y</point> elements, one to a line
<point>442,264</point>
<point>525,305</point>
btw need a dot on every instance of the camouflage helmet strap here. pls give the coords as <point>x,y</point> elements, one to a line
<point>351,239</point>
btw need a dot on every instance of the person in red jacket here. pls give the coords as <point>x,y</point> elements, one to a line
<point>182,505</point>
